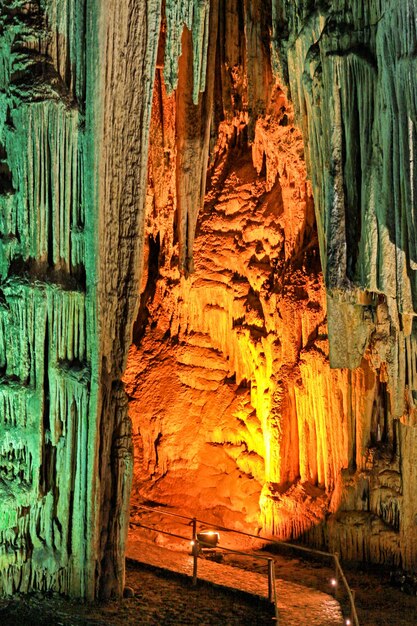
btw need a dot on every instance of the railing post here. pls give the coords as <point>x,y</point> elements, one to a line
<point>336,573</point>
<point>352,608</point>
<point>270,579</point>
<point>275,599</point>
<point>272,592</point>
<point>194,551</point>
<point>272,588</point>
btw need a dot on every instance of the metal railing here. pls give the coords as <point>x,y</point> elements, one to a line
<point>272,592</point>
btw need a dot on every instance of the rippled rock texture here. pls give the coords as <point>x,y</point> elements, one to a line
<point>70,230</point>
<point>349,67</point>
<point>269,392</point>
<point>263,390</point>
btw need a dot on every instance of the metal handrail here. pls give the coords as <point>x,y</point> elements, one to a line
<point>272,590</point>
<point>164,532</point>
<point>194,521</point>
<point>168,513</point>
<point>350,592</point>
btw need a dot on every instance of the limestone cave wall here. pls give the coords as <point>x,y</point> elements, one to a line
<point>271,377</point>
<point>72,165</point>
<point>264,390</point>
<point>349,66</point>
<point>46,335</point>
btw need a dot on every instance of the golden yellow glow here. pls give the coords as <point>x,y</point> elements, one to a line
<point>243,411</point>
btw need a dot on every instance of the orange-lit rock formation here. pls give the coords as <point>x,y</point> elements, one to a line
<point>224,380</point>
<point>236,411</point>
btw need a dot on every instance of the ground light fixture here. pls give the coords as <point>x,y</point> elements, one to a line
<point>208,538</point>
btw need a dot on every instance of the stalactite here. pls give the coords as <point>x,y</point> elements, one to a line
<point>323,436</point>
<point>193,120</point>
<point>55,270</point>
<point>350,64</point>
<point>301,440</point>
<point>195,16</point>
<point>225,320</point>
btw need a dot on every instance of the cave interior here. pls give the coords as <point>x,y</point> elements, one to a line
<point>208,278</point>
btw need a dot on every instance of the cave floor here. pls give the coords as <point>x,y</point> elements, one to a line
<point>297,604</point>
<point>165,597</point>
<point>378,603</point>
<point>161,598</point>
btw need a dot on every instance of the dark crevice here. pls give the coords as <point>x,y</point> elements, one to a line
<point>156,445</point>
<point>46,473</point>
<point>73,420</point>
<point>6,179</point>
<point>147,296</point>
<point>353,191</point>
<point>46,422</point>
<point>50,212</point>
<point>380,415</point>
<point>37,272</point>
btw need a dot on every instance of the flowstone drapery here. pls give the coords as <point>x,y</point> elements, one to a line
<point>47,327</point>
<point>350,67</point>
<point>315,421</point>
<point>76,82</point>
<point>320,452</point>
<point>65,451</point>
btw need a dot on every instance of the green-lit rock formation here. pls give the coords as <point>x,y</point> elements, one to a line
<point>65,451</point>
<point>48,336</point>
<point>350,67</point>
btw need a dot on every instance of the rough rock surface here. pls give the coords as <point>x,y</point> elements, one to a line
<point>245,406</point>
<point>47,334</point>
<point>349,69</point>
<point>71,226</point>
<point>235,401</point>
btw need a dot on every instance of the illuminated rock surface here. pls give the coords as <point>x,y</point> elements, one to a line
<point>47,338</point>
<point>234,405</point>
<point>349,67</point>
<point>65,465</point>
<point>236,411</point>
